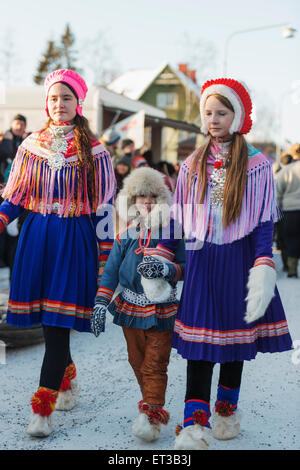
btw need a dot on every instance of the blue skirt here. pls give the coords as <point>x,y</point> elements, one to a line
<point>210,320</point>
<point>54,279</point>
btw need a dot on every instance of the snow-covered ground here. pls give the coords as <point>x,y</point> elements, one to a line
<point>109,394</point>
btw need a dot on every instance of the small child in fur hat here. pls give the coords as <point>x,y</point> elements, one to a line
<point>146,316</point>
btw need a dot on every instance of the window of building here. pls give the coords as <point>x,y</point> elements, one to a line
<point>166,100</point>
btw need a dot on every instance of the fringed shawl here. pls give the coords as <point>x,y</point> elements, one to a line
<point>35,186</point>
<point>204,222</point>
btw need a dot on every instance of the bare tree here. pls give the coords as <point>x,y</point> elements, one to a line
<point>98,60</point>
<point>265,119</point>
<point>200,54</point>
<point>9,60</point>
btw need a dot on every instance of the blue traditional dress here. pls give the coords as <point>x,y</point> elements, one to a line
<point>59,257</point>
<point>210,321</point>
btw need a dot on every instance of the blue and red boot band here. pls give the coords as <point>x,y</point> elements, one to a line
<point>196,412</point>
<point>227,400</point>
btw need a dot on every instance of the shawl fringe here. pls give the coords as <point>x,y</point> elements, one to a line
<point>204,222</point>
<point>35,186</point>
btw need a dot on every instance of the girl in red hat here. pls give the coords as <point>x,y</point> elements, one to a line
<point>230,308</point>
<point>63,176</point>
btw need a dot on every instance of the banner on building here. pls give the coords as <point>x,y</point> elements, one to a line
<point>132,128</point>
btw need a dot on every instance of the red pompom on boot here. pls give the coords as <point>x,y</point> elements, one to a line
<point>43,405</point>
<point>147,424</point>
<point>227,417</point>
<point>68,392</point>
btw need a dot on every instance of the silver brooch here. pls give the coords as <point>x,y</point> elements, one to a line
<point>218,178</point>
<point>58,146</point>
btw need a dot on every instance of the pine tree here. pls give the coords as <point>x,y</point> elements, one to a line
<point>57,56</point>
<point>50,61</point>
<point>66,49</point>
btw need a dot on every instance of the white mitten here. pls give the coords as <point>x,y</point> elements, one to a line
<point>157,290</point>
<point>261,286</point>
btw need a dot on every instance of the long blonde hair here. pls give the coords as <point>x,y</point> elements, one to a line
<point>236,174</point>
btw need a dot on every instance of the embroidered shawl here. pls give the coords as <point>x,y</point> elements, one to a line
<point>35,185</point>
<point>204,221</point>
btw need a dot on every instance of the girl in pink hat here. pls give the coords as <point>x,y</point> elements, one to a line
<point>64,177</point>
<point>230,308</point>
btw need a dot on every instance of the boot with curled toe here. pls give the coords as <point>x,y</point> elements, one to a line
<point>147,424</point>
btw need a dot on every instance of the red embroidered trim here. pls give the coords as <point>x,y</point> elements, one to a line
<point>264,261</point>
<point>142,245</point>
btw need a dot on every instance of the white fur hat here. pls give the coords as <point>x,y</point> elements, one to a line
<point>144,181</point>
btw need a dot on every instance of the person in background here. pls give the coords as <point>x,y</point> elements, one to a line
<point>122,169</point>
<point>138,162</point>
<point>111,140</point>
<point>285,159</point>
<point>288,196</point>
<point>128,149</point>
<point>12,138</point>
<point>167,169</point>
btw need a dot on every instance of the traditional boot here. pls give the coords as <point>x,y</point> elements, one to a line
<point>195,435</point>
<point>68,392</point>
<point>227,418</point>
<point>292,267</point>
<point>43,405</point>
<point>147,424</point>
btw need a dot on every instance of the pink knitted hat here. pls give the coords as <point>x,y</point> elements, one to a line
<point>71,78</point>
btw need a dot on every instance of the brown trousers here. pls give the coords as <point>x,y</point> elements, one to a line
<point>149,354</point>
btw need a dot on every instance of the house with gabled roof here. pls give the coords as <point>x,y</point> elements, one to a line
<point>175,91</point>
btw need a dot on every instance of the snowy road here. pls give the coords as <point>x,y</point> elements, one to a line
<point>102,419</point>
